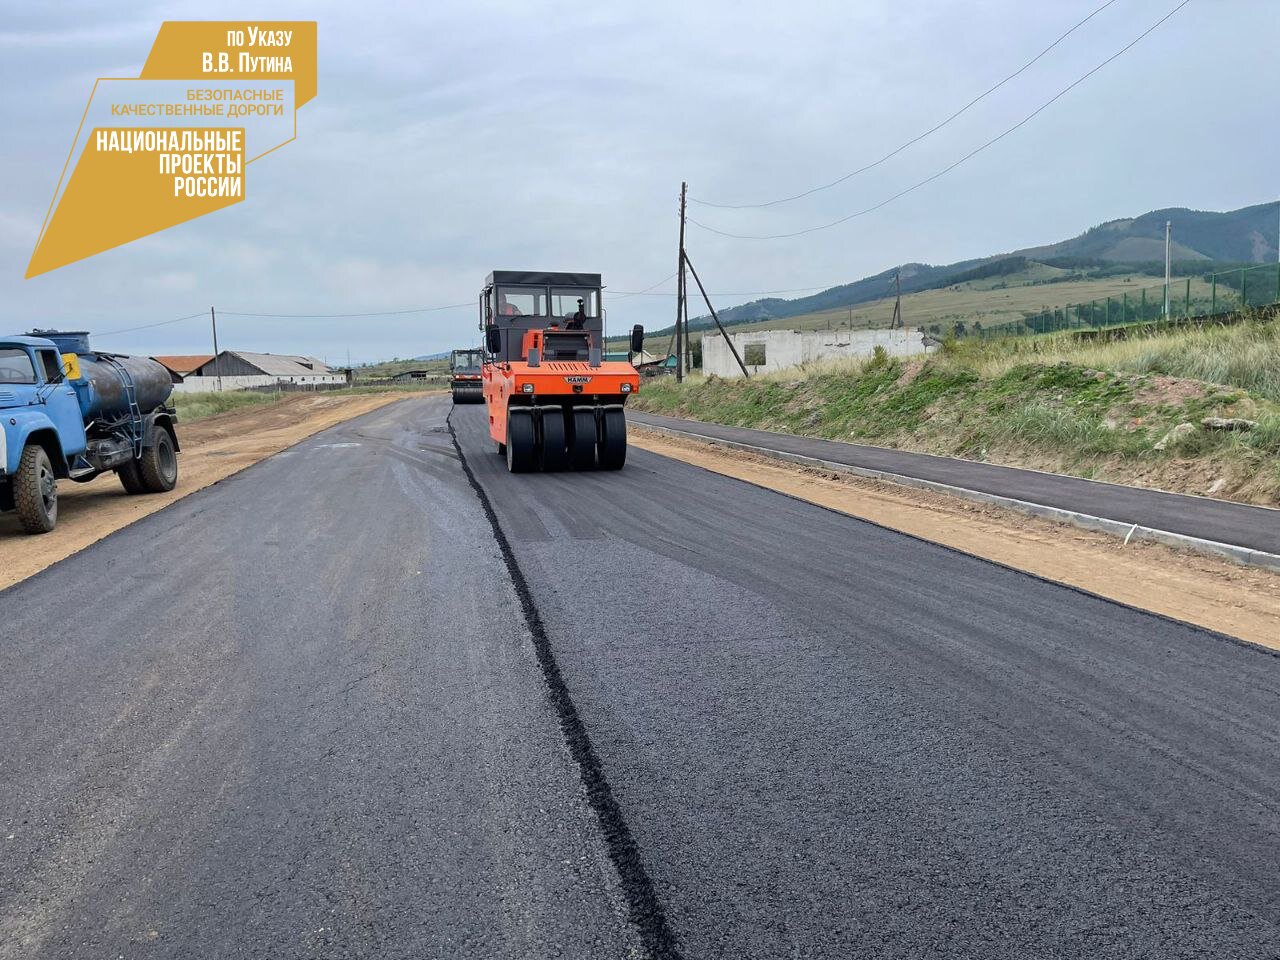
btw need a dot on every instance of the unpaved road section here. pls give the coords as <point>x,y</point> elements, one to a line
<point>212,449</point>
<point>833,740</point>
<point>1240,601</point>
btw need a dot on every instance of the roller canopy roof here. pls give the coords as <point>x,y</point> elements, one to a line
<point>542,278</point>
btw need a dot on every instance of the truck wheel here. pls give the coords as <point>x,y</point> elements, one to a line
<point>35,491</point>
<point>158,465</point>
<point>521,442</point>
<point>131,478</point>
<point>582,439</point>
<point>554,454</point>
<point>613,440</point>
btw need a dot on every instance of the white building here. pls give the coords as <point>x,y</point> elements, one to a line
<point>767,350</point>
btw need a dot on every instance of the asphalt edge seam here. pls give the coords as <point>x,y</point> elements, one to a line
<point>644,908</point>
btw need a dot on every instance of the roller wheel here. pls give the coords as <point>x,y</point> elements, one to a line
<point>158,466</point>
<point>613,440</point>
<point>554,456</point>
<point>457,395</point>
<point>521,442</point>
<point>35,491</point>
<point>582,438</point>
<point>131,478</point>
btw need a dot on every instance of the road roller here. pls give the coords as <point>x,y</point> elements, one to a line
<point>554,402</point>
<point>464,376</point>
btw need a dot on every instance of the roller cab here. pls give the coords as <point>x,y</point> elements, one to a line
<point>553,402</point>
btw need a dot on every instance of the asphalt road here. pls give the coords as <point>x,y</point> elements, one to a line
<point>294,715</point>
<point>1222,521</point>
<point>319,710</point>
<point>830,740</point>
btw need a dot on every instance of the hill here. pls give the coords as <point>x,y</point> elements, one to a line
<point>1126,248</point>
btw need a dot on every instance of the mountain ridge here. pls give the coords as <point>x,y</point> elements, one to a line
<point>1200,237</point>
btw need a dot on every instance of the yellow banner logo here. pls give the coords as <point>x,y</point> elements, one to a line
<point>172,144</point>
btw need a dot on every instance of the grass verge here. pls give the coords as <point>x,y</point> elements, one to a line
<point>1061,403</point>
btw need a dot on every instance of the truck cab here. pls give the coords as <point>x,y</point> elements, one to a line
<point>38,404</point>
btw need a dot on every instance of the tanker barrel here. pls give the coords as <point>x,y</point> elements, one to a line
<point>101,388</point>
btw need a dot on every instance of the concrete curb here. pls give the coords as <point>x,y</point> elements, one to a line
<point>1245,556</point>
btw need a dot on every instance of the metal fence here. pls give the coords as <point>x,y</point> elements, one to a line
<point>1218,294</point>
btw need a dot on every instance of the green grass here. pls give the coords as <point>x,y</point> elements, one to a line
<point>197,406</point>
<point>390,368</point>
<point>1246,355</point>
<point>1059,402</point>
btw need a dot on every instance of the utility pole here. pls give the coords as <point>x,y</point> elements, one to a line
<point>682,309</point>
<point>217,364</point>
<point>897,303</point>
<point>1168,264</point>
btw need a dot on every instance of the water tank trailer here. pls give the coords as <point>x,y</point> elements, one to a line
<point>72,413</point>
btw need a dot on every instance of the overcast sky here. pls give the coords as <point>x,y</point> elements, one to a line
<point>452,138</point>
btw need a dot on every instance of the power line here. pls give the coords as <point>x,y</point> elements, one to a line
<point>148,326</point>
<point>742,293</point>
<point>966,157</point>
<point>914,140</point>
<point>622,294</point>
<point>340,316</point>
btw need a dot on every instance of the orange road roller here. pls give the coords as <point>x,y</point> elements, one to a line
<point>554,401</point>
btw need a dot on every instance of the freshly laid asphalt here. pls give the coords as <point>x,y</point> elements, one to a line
<point>294,715</point>
<point>1238,524</point>
<point>335,707</point>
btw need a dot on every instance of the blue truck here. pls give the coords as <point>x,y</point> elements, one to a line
<point>72,413</point>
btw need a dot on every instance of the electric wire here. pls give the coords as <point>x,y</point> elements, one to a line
<point>914,140</point>
<point>941,173</point>
<point>148,326</point>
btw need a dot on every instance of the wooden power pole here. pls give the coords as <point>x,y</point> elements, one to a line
<point>897,303</point>
<point>682,310</point>
<point>217,364</point>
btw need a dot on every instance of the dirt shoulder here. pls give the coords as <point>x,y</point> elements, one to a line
<point>212,449</point>
<point>1241,601</point>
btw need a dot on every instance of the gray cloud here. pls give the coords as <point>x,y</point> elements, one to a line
<point>453,138</point>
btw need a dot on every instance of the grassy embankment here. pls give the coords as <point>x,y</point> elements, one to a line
<point>1089,407</point>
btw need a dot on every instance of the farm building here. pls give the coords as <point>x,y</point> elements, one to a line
<point>768,350</point>
<point>239,369</point>
<point>182,366</point>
